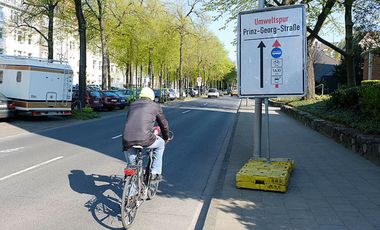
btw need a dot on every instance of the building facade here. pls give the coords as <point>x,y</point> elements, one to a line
<point>27,42</point>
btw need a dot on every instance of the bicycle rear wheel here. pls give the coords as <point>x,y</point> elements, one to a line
<point>152,189</point>
<point>129,202</point>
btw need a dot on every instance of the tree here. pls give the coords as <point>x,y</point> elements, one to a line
<point>98,9</point>
<point>36,12</point>
<point>183,19</point>
<point>82,62</point>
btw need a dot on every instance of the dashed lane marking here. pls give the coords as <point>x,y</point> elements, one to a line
<point>30,168</point>
<point>11,150</point>
<point>115,137</point>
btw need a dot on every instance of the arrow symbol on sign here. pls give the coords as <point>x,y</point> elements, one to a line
<point>261,46</point>
<point>276,44</point>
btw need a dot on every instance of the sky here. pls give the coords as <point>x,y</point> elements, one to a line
<point>226,36</point>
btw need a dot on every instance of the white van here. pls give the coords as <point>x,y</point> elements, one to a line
<point>38,87</point>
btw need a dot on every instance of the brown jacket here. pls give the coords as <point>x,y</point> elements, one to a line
<point>142,116</point>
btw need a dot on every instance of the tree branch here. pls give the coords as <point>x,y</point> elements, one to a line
<point>342,52</point>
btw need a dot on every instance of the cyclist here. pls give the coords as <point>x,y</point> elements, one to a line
<point>138,130</point>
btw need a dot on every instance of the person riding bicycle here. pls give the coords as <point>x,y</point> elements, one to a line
<point>139,130</point>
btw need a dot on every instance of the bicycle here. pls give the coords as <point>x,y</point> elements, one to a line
<point>138,186</point>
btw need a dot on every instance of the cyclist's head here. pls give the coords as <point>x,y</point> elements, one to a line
<point>147,92</point>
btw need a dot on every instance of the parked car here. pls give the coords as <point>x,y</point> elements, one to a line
<point>191,92</point>
<point>171,94</point>
<point>128,93</point>
<point>122,99</point>
<point>156,95</point>
<point>92,98</point>
<point>7,107</point>
<point>110,100</point>
<point>233,92</point>
<point>212,92</point>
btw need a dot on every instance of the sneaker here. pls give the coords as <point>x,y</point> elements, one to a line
<point>156,177</point>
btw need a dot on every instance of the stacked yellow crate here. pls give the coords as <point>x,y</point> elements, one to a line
<point>258,173</point>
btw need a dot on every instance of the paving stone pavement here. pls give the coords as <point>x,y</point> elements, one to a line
<point>330,188</point>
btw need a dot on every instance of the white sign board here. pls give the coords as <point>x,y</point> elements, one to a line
<point>199,81</point>
<point>272,52</point>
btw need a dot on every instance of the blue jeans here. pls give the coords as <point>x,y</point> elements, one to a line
<point>158,152</point>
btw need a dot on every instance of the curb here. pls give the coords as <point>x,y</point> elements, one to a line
<point>209,223</point>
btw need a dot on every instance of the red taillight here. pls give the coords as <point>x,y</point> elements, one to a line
<point>35,113</point>
<point>66,113</point>
<point>129,172</point>
<point>12,105</point>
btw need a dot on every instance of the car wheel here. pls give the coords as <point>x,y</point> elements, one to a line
<point>110,109</point>
<point>122,107</point>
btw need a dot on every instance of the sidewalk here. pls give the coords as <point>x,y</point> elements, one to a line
<point>330,188</point>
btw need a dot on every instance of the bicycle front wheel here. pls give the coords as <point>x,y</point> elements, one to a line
<point>129,202</point>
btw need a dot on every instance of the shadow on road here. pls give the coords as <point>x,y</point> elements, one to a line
<point>106,191</point>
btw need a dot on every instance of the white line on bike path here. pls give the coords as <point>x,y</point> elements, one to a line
<point>11,150</point>
<point>30,168</point>
<point>115,137</point>
<point>186,111</point>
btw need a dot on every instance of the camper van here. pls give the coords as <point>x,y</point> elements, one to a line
<point>37,86</point>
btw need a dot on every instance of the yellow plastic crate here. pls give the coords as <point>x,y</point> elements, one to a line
<point>275,161</point>
<point>264,187</point>
<point>268,175</point>
<point>260,174</point>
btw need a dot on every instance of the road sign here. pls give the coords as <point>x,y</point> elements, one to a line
<point>199,81</point>
<point>272,52</point>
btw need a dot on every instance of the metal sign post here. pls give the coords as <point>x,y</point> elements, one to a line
<point>271,58</point>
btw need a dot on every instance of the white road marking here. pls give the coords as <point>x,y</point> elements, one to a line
<point>11,150</point>
<point>30,168</point>
<point>186,111</point>
<point>115,137</point>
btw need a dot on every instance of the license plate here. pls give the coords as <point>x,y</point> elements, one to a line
<point>122,100</point>
<point>96,101</point>
<point>114,100</point>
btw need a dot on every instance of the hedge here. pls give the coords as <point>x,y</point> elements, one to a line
<point>370,82</point>
<point>364,99</point>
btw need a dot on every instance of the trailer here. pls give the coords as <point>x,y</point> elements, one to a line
<point>38,87</point>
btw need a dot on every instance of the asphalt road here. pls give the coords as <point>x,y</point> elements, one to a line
<point>70,177</point>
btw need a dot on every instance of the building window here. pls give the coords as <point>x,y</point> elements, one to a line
<point>1,76</point>
<point>100,65</point>
<point>1,33</point>
<point>1,51</point>
<point>29,39</point>
<point>19,36</point>
<point>18,78</point>
<point>93,64</point>
<point>29,54</point>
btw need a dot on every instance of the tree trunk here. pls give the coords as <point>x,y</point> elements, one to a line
<point>141,75</point>
<point>82,49</point>
<point>130,76</point>
<point>50,40</point>
<point>349,46</point>
<point>127,75</point>
<point>310,70</point>
<point>150,83</point>
<point>180,62</point>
